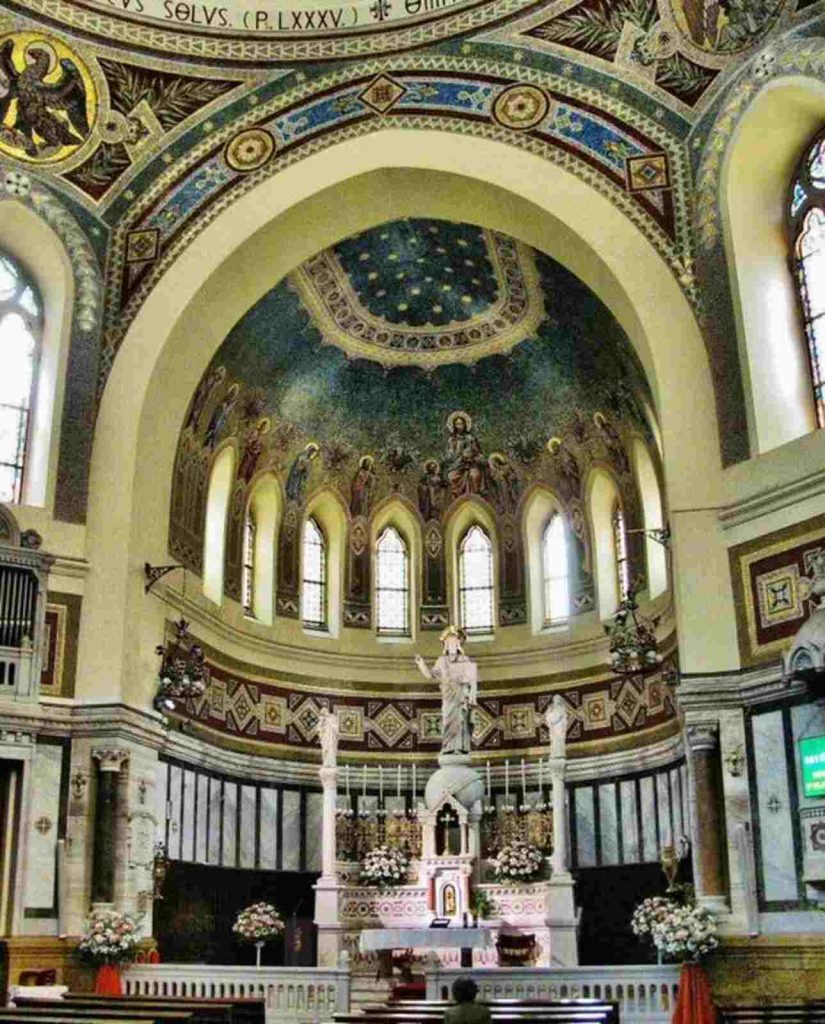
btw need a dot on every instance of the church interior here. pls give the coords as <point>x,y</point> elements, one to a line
<point>412,510</point>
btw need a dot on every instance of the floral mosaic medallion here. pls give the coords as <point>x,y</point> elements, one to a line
<point>249,150</point>
<point>48,99</point>
<point>521,107</point>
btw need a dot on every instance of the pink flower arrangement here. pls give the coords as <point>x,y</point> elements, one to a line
<point>258,923</point>
<point>110,938</point>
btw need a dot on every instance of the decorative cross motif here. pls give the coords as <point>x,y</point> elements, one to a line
<point>774,804</point>
<point>43,825</point>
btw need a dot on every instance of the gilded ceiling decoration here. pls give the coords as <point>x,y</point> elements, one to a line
<point>406,296</point>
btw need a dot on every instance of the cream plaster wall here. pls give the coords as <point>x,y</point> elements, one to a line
<point>304,209</point>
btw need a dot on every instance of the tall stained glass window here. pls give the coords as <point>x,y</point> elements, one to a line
<point>313,577</point>
<point>620,549</point>
<point>392,586</point>
<point>806,210</point>
<point>475,581</point>
<point>20,325</point>
<point>248,572</point>
<point>554,565</point>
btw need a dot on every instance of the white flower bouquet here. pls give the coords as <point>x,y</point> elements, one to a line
<point>110,938</point>
<point>518,862</point>
<point>258,923</point>
<point>681,932</point>
<point>384,865</point>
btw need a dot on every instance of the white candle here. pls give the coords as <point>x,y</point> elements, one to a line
<point>398,789</point>
<point>507,781</point>
<point>413,785</point>
<point>364,782</point>
<point>380,785</point>
<point>523,782</point>
<point>347,781</point>
<point>489,789</point>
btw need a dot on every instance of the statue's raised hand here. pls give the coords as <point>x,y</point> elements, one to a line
<point>422,667</point>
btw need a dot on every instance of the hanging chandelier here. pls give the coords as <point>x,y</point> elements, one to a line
<point>181,674</point>
<point>634,649</point>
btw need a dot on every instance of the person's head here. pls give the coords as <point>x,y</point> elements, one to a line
<point>464,990</point>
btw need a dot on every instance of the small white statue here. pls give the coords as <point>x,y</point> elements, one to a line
<point>328,729</point>
<point>457,678</point>
<point>555,718</point>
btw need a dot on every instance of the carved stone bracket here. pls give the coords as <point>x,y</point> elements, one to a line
<point>110,759</point>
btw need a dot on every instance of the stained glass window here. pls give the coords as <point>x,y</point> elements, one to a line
<point>807,226</point>
<point>554,562</point>
<point>620,548</point>
<point>248,573</point>
<point>475,581</point>
<point>392,587</point>
<point>20,322</point>
<point>314,577</point>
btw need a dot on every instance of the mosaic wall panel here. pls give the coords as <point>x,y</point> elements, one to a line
<point>770,579</point>
<point>251,711</point>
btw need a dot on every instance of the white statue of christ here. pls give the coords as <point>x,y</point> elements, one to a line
<point>457,678</point>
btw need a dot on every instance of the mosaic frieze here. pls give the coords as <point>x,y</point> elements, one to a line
<point>285,717</point>
<point>771,582</point>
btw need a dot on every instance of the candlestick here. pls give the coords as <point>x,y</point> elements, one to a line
<point>488,782</point>
<point>523,783</point>
<point>348,782</point>
<point>507,781</point>
<point>364,782</point>
<point>413,786</point>
<point>380,785</point>
<point>398,788</point>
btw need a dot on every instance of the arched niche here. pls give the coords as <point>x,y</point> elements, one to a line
<point>540,506</point>
<point>328,511</point>
<point>214,533</point>
<point>650,492</point>
<point>265,505</point>
<point>398,514</point>
<point>31,242</point>
<point>754,193</point>
<point>464,515</point>
<point>602,498</point>
<point>311,205</point>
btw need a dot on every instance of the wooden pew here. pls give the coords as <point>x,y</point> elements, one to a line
<point>206,1010</point>
<point>84,1014</point>
<point>812,1012</point>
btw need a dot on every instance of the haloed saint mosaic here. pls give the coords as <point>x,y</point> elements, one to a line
<point>48,99</point>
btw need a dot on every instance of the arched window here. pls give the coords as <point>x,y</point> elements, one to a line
<point>214,532</point>
<point>248,569</point>
<point>807,216</point>
<point>555,575</point>
<point>392,584</point>
<point>475,581</point>
<point>20,325</point>
<point>620,550</point>
<point>313,577</point>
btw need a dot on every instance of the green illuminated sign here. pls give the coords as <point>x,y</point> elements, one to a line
<point>812,753</point>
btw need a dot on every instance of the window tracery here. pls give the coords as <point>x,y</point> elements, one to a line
<point>807,219</point>
<point>392,588</point>
<point>620,550</point>
<point>475,581</point>
<point>248,567</point>
<point>313,577</point>
<point>20,326</point>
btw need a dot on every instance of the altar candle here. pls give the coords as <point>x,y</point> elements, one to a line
<point>348,782</point>
<point>507,781</point>
<point>413,785</point>
<point>398,788</point>
<point>523,783</point>
<point>489,789</point>
<point>380,785</point>
<point>364,782</point>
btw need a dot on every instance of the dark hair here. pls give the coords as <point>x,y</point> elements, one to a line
<point>464,990</point>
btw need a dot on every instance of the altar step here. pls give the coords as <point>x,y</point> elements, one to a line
<point>365,988</point>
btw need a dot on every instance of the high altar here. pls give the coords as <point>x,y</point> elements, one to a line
<point>449,838</point>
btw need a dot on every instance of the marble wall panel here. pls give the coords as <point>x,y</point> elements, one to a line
<point>313,831</point>
<point>630,822</point>
<point>676,804</point>
<point>175,795</point>
<point>650,844</point>
<point>187,846</point>
<point>201,835</point>
<point>585,827</point>
<point>248,826</point>
<point>45,808</point>
<point>779,872</point>
<point>161,790</point>
<point>269,829</point>
<point>229,854</point>
<point>609,824</point>
<point>291,830</point>
<point>663,806</point>
<point>215,809</point>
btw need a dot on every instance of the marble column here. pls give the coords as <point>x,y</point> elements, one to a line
<point>109,762</point>
<point>329,855</point>
<point>708,831</point>
<point>557,773</point>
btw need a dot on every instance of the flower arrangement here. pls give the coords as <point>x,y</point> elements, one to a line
<point>110,938</point>
<point>181,673</point>
<point>518,861</point>
<point>481,904</point>
<point>258,923</point>
<point>384,865</point>
<point>680,931</point>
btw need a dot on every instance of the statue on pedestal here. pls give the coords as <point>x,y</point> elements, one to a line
<point>328,729</point>
<point>555,718</point>
<point>457,678</point>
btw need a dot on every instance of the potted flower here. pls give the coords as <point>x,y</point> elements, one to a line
<point>481,906</point>
<point>518,861</point>
<point>258,923</point>
<point>684,932</point>
<point>384,865</point>
<point>110,940</point>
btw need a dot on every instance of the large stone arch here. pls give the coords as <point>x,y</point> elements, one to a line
<point>287,218</point>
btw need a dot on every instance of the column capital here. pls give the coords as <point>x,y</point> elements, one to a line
<point>702,737</point>
<point>110,759</point>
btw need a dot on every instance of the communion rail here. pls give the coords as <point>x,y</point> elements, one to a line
<point>646,993</point>
<point>289,993</point>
